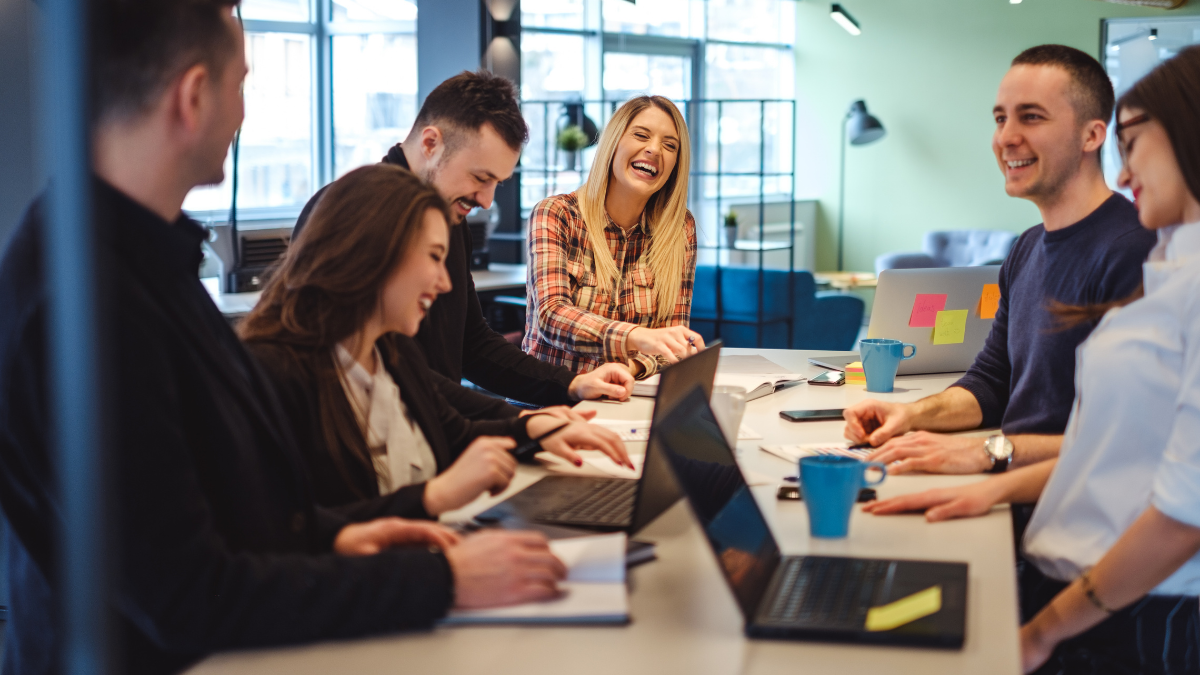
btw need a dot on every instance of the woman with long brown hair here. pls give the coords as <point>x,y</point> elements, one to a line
<point>611,265</point>
<point>1113,547</point>
<point>333,330</point>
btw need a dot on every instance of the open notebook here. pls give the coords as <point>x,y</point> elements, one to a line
<point>594,592</point>
<point>756,385</point>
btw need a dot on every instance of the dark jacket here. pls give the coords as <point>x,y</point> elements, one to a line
<point>458,342</point>
<point>338,484</point>
<point>217,540</point>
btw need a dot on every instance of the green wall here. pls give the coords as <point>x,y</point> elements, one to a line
<point>928,69</point>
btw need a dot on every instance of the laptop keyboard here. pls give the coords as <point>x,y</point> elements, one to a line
<point>831,592</point>
<point>609,503</point>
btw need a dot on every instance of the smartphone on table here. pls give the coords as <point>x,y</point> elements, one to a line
<point>830,378</point>
<point>811,415</point>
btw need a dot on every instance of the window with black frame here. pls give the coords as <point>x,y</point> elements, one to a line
<point>332,85</point>
<point>728,65</point>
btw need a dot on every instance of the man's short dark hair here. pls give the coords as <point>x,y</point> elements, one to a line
<point>140,46</point>
<point>467,101</point>
<point>1092,92</point>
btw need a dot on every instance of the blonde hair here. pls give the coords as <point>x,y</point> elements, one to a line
<point>665,214</point>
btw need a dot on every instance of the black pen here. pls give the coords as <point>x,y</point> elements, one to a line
<point>530,448</point>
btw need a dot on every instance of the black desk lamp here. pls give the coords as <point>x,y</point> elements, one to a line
<point>862,128</point>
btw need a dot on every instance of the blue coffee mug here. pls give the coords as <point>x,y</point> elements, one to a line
<point>880,359</point>
<point>831,485</point>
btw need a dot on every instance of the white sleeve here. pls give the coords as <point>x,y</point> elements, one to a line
<point>1177,484</point>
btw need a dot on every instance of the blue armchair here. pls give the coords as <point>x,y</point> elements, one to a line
<point>963,248</point>
<point>820,320</point>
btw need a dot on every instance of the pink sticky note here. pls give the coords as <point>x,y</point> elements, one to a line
<point>925,309</point>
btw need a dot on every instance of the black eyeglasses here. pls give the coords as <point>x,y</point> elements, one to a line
<point>1122,145</point>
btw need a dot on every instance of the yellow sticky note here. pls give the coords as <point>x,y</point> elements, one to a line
<point>989,301</point>
<point>905,610</point>
<point>950,327</point>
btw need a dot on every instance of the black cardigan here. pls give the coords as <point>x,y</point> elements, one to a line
<point>216,539</point>
<point>447,432</point>
<point>458,342</point>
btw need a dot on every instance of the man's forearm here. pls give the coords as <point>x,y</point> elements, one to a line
<point>1025,485</point>
<point>952,410</point>
<point>1033,448</point>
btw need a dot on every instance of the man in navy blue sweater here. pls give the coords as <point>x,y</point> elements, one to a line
<point>1051,116</point>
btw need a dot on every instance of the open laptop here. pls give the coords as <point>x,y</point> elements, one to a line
<point>962,286</point>
<point>796,597</point>
<point>615,503</point>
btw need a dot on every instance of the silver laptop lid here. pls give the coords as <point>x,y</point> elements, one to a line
<point>893,309</point>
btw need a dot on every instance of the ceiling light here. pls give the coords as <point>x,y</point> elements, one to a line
<point>843,19</point>
<point>1014,2</point>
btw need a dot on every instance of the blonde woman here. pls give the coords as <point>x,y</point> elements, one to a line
<point>611,265</point>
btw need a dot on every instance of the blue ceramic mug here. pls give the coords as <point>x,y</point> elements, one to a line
<point>880,359</point>
<point>831,486</point>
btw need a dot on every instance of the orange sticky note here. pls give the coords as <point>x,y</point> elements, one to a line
<point>925,309</point>
<point>989,301</point>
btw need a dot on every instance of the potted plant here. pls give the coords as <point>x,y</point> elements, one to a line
<point>731,228</point>
<point>571,140</point>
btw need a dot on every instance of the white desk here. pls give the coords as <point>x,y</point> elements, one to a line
<point>684,618</point>
<point>500,277</point>
<point>497,277</point>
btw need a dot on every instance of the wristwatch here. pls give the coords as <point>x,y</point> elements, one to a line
<point>1000,450</point>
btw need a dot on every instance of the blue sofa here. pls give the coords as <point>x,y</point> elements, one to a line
<point>820,320</point>
<point>962,248</point>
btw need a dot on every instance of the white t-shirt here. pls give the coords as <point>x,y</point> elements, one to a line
<point>1134,435</point>
<point>401,454</point>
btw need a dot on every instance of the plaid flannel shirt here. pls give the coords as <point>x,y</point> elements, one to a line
<point>572,322</point>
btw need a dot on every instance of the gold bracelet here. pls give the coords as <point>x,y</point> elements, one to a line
<point>1090,592</point>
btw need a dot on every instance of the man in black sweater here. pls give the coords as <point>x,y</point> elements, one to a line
<point>466,139</point>
<point>1051,119</point>
<point>217,542</point>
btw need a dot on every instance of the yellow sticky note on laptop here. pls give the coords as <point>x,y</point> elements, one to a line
<point>905,610</point>
<point>950,327</point>
<point>989,301</point>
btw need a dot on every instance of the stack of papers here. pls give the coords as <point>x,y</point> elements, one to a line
<point>594,592</point>
<point>793,453</point>
<point>756,386</point>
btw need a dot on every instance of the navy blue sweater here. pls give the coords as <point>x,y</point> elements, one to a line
<point>1024,378</point>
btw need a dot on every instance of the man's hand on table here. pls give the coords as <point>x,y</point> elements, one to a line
<point>874,422</point>
<point>496,568</point>
<point>932,453</point>
<point>611,380</point>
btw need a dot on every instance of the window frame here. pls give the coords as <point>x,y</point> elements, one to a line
<point>321,30</point>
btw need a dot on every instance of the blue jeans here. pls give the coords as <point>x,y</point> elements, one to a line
<point>1157,634</point>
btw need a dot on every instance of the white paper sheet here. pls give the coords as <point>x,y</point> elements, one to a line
<point>594,591</point>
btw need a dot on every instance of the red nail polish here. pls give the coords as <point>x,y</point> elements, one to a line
<point>579,462</point>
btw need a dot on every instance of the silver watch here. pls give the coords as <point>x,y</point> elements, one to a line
<point>1000,450</point>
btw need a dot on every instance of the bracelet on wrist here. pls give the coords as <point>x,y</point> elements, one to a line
<point>1090,591</point>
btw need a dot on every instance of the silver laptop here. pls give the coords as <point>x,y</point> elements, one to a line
<point>893,307</point>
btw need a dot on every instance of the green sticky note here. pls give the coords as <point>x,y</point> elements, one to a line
<point>905,610</point>
<point>950,327</point>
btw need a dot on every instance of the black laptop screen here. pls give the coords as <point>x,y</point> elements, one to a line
<point>708,474</point>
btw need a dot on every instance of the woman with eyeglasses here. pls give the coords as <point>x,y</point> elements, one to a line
<point>333,331</point>
<point>611,265</point>
<point>1112,578</point>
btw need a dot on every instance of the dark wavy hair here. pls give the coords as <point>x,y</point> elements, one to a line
<point>1170,95</point>
<point>466,102</point>
<point>330,283</point>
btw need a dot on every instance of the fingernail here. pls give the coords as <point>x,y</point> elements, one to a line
<point>579,462</point>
